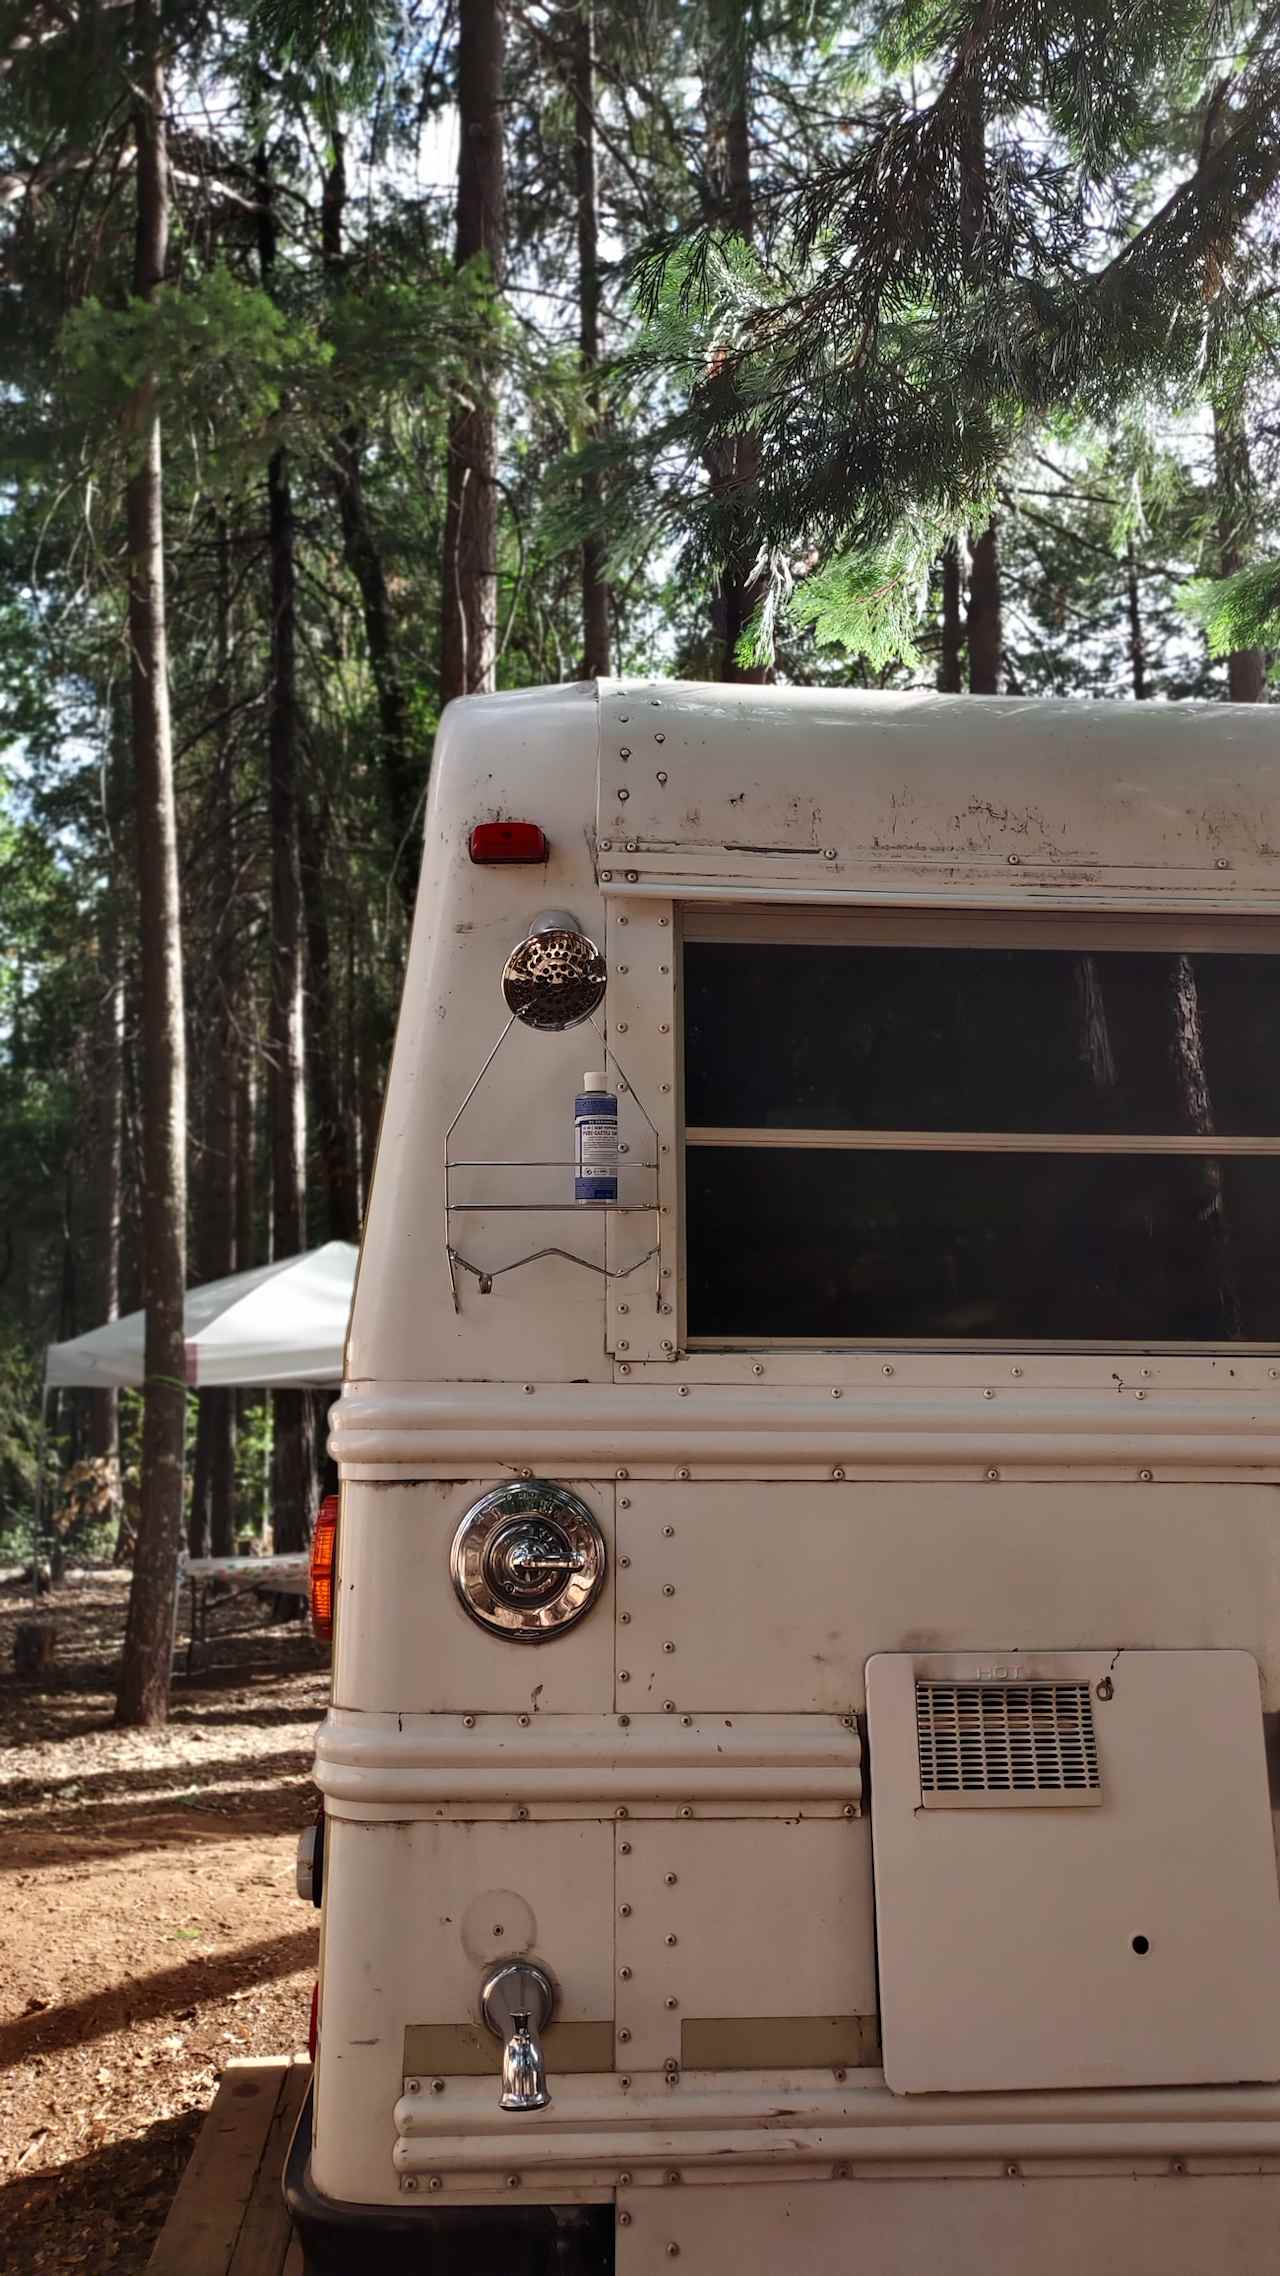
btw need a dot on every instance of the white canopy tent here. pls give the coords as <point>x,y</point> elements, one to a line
<point>281,1326</point>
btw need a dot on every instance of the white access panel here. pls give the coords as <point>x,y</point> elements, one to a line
<point>1123,1930</point>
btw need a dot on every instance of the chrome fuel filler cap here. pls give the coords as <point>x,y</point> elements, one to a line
<point>528,1560</point>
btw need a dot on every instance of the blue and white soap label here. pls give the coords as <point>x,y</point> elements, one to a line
<point>595,1147</point>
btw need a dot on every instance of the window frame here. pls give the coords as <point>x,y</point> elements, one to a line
<point>1164,929</point>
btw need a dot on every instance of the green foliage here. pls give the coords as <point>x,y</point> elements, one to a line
<point>219,355</point>
<point>871,604</point>
<point>1237,612</point>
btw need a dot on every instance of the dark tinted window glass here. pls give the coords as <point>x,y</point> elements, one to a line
<point>792,1242</point>
<point>1115,1042</point>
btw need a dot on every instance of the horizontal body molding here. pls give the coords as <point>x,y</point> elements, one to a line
<point>657,1759</point>
<point>759,2120</point>
<point>730,1430</point>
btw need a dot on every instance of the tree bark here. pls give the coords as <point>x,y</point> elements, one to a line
<point>469,596</point>
<point>292,1459</point>
<point>733,468</point>
<point>331,1131</point>
<point>984,619</point>
<point>1233,479</point>
<point>595,590</point>
<point>143,1696</point>
<point>951,654</point>
<point>1137,641</point>
<point>105,1428</point>
<point>211,1524</point>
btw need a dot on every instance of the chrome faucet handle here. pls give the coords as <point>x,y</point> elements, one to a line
<point>517,2001</point>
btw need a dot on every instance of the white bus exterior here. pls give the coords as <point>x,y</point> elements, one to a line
<point>808,1635</point>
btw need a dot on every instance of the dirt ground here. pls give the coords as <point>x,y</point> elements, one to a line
<point>149,1928</point>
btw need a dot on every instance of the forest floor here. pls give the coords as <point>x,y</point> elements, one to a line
<point>149,1928</point>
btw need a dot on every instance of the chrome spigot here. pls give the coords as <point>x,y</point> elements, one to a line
<point>524,2077</point>
<point>517,2001</point>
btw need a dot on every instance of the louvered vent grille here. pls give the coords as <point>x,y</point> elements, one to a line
<point>1006,1745</point>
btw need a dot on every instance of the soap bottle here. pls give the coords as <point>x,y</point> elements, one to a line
<point>595,1141</point>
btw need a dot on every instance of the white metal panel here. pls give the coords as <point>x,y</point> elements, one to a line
<point>530,757</point>
<point>403,1643</point>
<point>1006,2227</point>
<point>823,791</point>
<point>414,1914</point>
<point>1136,1943</point>
<point>732,1919</point>
<point>782,1592</point>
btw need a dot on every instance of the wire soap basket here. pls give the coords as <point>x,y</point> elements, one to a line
<point>554,980</point>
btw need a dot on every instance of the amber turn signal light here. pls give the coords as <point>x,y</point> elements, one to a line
<point>324,1557</point>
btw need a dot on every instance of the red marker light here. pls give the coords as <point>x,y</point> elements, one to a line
<point>508,842</point>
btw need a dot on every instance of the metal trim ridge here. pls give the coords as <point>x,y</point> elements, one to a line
<point>805,2119</point>
<point>366,1758</point>
<point>469,1429</point>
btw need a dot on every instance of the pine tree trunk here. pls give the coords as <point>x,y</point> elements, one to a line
<point>951,653</point>
<point>1233,478</point>
<point>105,1429</point>
<point>363,556</point>
<point>292,1459</point>
<point>469,595</point>
<point>211,1525</point>
<point>984,617</point>
<point>143,1696</point>
<point>1233,473</point>
<point>595,589</point>
<point>983,623</point>
<point>331,1131</point>
<point>1137,642</point>
<point>249,1246</point>
<point>733,468</point>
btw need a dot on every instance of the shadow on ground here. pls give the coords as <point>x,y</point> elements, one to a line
<point>102,2210</point>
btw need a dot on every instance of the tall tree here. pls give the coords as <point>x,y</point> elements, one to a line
<point>732,462</point>
<point>581,75</point>
<point>211,1524</point>
<point>143,1695</point>
<point>364,558</point>
<point>1233,474</point>
<point>469,591</point>
<point>984,628</point>
<point>1236,504</point>
<point>951,648</point>
<point>293,1444</point>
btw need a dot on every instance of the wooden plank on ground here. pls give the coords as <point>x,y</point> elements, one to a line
<point>264,2234</point>
<point>293,2258</point>
<point>204,2220</point>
